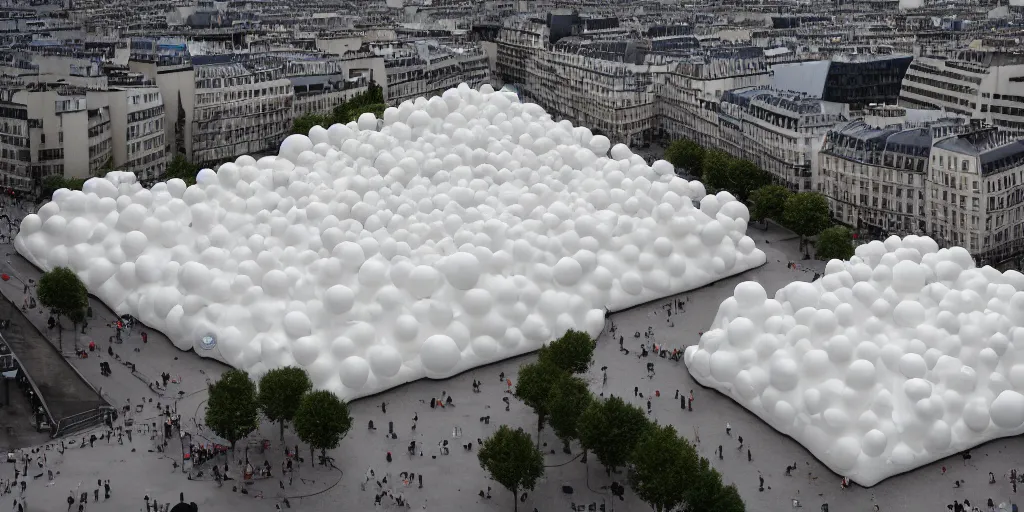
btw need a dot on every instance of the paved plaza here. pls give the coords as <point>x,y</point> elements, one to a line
<point>137,469</point>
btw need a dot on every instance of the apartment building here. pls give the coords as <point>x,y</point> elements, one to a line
<point>168,63</point>
<point>138,119</point>
<point>320,82</point>
<point>607,86</point>
<point>781,132</point>
<point>242,106</point>
<point>15,152</point>
<point>428,68</point>
<point>976,195</point>
<point>981,84</point>
<point>57,116</point>
<point>689,92</point>
<point>519,39</point>
<point>474,64</point>
<point>876,178</point>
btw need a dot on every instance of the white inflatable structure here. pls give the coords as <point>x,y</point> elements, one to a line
<point>901,356</point>
<point>470,228</point>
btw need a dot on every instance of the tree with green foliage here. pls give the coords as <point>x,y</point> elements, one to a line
<point>281,391</point>
<point>745,177</point>
<point>533,387</point>
<point>728,500</point>
<point>232,411</point>
<point>304,123</point>
<point>715,169</point>
<point>807,214</point>
<point>568,398</point>
<point>834,243</point>
<point>512,460</point>
<point>321,421</point>
<point>686,154</point>
<point>611,429</point>
<point>182,169</point>
<point>50,185</point>
<point>65,295</point>
<point>769,202</point>
<point>705,491</point>
<point>659,462</point>
<point>371,100</point>
<point>572,353</point>
<point>55,182</point>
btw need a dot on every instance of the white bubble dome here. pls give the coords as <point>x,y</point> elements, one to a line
<point>470,228</point>
<point>903,355</point>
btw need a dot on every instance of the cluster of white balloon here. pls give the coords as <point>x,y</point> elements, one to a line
<point>899,357</point>
<point>466,229</point>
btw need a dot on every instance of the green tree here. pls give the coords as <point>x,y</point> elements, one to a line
<point>659,462</point>
<point>533,387</point>
<point>281,392</point>
<point>569,397</point>
<point>55,182</point>
<point>51,184</point>
<point>745,177</point>
<point>370,100</point>
<point>182,169</point>
<point>321,421</point>
<point>572,353</point>
<point>716,169</point>
<point>769,202</point>
<point>65,295</point>
<point>686,154</point>
<point>705,491</point>
<point>729,500</point>
<point>304,123</point>
<point>807,214</point>
<point>232,411</point>
<point>512,460</point>
<point>611,429</point>
<point>834,243</point>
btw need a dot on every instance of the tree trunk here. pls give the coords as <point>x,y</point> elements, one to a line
<point>515,500</point>
<point>233,446</point>
<point>60,336</point>
<point>282,432</point>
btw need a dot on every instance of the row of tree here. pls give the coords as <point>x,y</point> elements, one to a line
<point>717,169</point>
<point>806,213</point>
<point>235,403</point>
<point>662,467</point>
<point>371,100</point>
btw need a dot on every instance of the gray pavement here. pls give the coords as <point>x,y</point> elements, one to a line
<point>17,423</point>
<point>63,390</point>
<point>453,481</point>
<point>61,387</point>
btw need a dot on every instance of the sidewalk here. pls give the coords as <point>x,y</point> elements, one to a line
<point>64,392</point>
<point>186,395</point>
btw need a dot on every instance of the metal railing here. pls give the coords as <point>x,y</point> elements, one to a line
<point>32,383</point>
<point>83,421</point>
